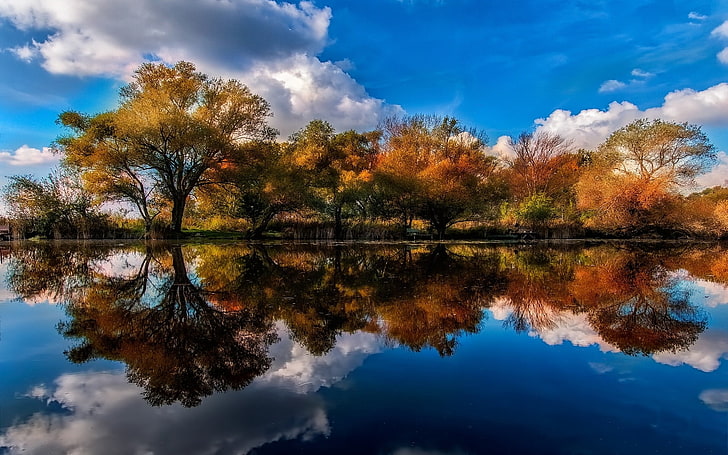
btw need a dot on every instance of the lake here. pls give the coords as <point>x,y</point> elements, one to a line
<point>392,349</point>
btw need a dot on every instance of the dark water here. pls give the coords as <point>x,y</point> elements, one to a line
<point>373,349</point>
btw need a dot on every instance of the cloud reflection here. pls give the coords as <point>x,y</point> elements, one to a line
<point>704,355</point>
<point>106,414</point>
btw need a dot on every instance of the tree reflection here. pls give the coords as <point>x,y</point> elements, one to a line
<point>175,343</point>
<point>537,286</point>
<point>186,333</point>
<point>637,304</point>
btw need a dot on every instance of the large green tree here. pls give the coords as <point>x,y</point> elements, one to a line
<point>172,127</point>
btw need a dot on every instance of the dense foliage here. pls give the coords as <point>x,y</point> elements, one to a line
<point>185,149</point>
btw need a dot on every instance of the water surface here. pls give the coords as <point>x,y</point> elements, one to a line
<point>379,349</point>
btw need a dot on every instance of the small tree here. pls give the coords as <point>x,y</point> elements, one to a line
<point>56,206</point>
<point>536,211</point>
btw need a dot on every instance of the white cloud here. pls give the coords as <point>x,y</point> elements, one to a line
<point>296,369</point>
<point>28,156</point>
<point>713,294</point>
<point>25,53</point>
<point>611,85</point>
<point>269,46</point>
<point>302,88</point>
<point>707,107</point>
<point>718,175</point>
<point>696,16</point>
<point>591,127</point>
<point>502,149</point>
<point>641,73</point>
<point>704,355</point>
<point>576,329</point>
<point>721,31</point>
<point>716,399</point>
<point>105,414</point>
<point>723,56</point>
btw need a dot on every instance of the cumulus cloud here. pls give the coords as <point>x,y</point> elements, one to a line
<point>301,88</point>
<point>269,46</point>
<point>591,127</point>
<point>575,329</point>
<point>721,31</point>
<point>723,56</point>
<point>706,107</point>
<point>294,368</point>
<point>611,85</point>
<point>697,16</point>
<point>704,355</point>
<point>105,414</point>
<point>718,176</point>
<point>502,149</point>
<point>28,156</point>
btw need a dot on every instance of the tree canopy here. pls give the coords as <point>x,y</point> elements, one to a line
<point>173,126</point>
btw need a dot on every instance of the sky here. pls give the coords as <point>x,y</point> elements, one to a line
<point>580,68</point>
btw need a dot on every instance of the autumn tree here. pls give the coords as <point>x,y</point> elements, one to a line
<point>542,163</point>
<point>177,345</point>
<point>435,168</point>
<point>256,187</point>
<point>632,184</point>
<point>172,127</point>
<point>338,167</point>
<point>110,166</point>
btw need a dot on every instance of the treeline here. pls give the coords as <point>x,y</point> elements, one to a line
<point>186,150</point>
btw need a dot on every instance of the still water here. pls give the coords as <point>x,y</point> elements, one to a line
<point>399,349</point>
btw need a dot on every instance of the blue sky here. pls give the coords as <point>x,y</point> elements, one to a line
<point>579,68</point>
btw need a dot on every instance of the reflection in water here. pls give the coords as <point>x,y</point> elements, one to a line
<point>105,416</point>
<point>191,320</point>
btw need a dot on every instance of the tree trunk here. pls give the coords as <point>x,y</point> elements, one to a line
<point>178,211</point>
<point>337,223</point>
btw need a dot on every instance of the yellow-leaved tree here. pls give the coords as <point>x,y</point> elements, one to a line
<point>172,127</point>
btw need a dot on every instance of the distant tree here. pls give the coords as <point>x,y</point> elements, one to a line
<point>655,150</point>
<point>338,167</point>
<point>257,187</point>
<point>543,163</point>
<point>172,127</point>
<point>436,168</point>
<point>632,182</point>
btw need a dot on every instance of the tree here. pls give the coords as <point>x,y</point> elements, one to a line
<point>53,207</point>
<point>177,345</point>
<point>110,166</point>
<point>632,183</point>
<point>543,163</point>
<point>673,153</point>
<point>258,187</point>
<point>338,166</point>
<point>173,126</point>
<point>435,168</point>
